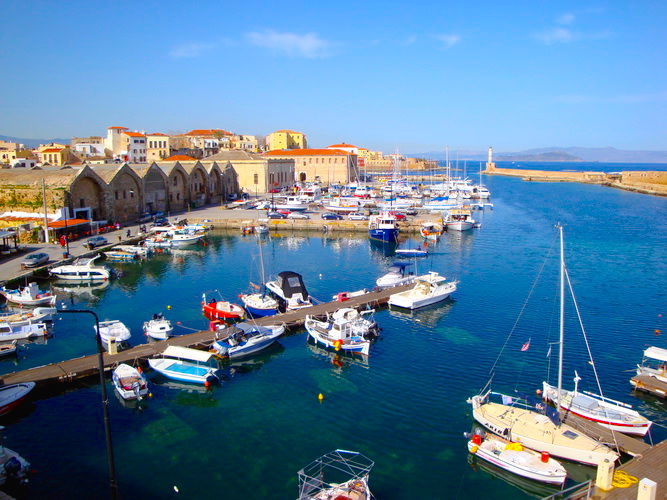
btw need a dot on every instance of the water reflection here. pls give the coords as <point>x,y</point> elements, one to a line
<point>340,361</point>
<point>428,316</point>
<point>89,291</point>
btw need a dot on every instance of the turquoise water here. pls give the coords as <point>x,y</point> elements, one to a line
<point>405,406</point>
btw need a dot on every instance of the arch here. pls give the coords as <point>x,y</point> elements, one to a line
<point>302,176</point>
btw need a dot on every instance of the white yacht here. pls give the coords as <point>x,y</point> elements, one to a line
<point>429,289</point>
<point>82,269</point>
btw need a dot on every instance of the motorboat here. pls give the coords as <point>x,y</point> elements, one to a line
<point>29,295</point>
<point>12,331</point>
<point>345,205</point>
<point>411,252</point>
<point>361,322</point>
<point>26,316</point>
<point>13,467</point>
<point>243,339</point>
<point>186,365</point>
<point>220,309</point>
<point>158,327</point>
<point>337,333</point>
<point>120,255</point>
<point>440,203</point>
<point>8,349</point>
<point>396,275</point>
<point>288,288</point>
<point>261,227</point>
<point>430,230</point>
<point>383,227</point>
<point>607,412</point>
<point>140,250</point>
<point>174,239</point>
<point>129,382</point>
<point>82,269</point>
<point>654,364</point>
<point>517,459</point>
<point>458,219</point>
<point>337,475</point>
<point>113,330</point>
<point>13,395</point>
<point>428,289</point>
<point>260,304</point>
<point>291,203</point>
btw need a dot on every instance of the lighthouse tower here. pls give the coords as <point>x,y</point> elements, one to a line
<point>489,162</point>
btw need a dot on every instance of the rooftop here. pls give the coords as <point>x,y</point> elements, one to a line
<point>307,152</point>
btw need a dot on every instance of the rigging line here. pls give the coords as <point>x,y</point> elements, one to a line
<point>523,307</point>
<point>588,348</point>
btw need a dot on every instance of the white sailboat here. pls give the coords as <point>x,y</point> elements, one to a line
<point>517,420</point>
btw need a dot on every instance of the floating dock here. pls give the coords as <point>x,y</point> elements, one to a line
<point>650,384</point>
<point>76,369</point>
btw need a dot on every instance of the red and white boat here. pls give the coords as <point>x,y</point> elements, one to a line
<point>13,395</point>
<point>221,309</point>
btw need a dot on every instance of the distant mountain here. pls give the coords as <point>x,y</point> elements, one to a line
<point>604,155</point>
<point>550,156</point>
<point>32,143</point>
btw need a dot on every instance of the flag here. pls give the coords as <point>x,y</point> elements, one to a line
<point>525,346</point>
<point>549,352</point>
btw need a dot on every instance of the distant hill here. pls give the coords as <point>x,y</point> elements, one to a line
<point>32,143</point>
<point>550,156</point>
<point>603,155</point>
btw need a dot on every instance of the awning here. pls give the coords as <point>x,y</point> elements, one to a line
<point>187,353</point>
<point>60,224</point>
<point>7,234</point>
<point>656,353</point>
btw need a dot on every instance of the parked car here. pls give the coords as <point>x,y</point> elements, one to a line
<point>357,216</point>
<point>331,216</point>
<point>284,211</point>
<point>399,215</point>
<point>35,259</point>
<point>298,215</point>
<point>274,190</point>
<point>96,241</point>
<point>276,215</point>
<point>410,211</point>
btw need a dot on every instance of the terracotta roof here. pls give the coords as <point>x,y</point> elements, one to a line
<point>288,131</point>
<point>180,158</point>
<point>307,152</point>
<point>207,132</point>
<point>158,133</point>
<point>342,145</point>
<point>68,223</point>
<point>134,134</point>
<point>53,150</point>
<point>119,128</point>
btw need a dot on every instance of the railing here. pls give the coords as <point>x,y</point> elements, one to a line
<point>576,492</point>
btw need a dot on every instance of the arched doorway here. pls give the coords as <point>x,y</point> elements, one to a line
<point>302,176</point>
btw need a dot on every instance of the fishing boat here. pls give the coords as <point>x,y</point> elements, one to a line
<point>113,330</point>
<point>360,322</point>
<point>158,327</point>
<point>288,288</point>
<point>383,227</point>
<point>261,227</point>
<point>605,411</point>
<point>654,364</point>
<point>26,316</point>
<point>29,295</point>
<point>337,333</point>
<point>13,395</point>
<point>220,309</point>
<point>186,365</point>
<point>82,269</point>
<point>338,475</point>
<point>396,275</point>
<point>430,230</point>
<point>291,203</point>
<point>11,331</point>
<point>261,303</point>
<point>129,382</point>
<point>120,255</point>
<point>411,252</point>
<point>243,339</point>
<point>428,289</point>
<point>8,349</point>
<point>13,467</point>
<point>517,459</point>
<point>518,418</point>
<point>141,251</point>
<point>458,219</point>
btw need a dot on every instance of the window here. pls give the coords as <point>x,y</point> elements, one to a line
<point>124,194</point>
<point>256,178</point>
<point>116,194</point>
<point>81,202</point>
<point>178,196</point>
<point>131,194</point>
<point>175,181</point>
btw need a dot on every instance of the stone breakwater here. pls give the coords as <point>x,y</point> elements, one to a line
<point>647,182</point>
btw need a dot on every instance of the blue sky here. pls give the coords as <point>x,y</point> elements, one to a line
<point>383,75</point>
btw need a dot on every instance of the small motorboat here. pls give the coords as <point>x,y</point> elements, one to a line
<point>82,269</point>
<point>430,230</point>
<point>262,227</point>
<point>243,339</point>
<point>11,331</point>
<point>114,331</point>
<point>361,322</point>
<point>339,475</point>
<point>129,382</point>
<point>29,295</point>
<point>289,289</point>
<point>337,334</point>
<point>26,316</point>
<point>186,365</point>
<point>139,250</point>
<point>411,252</point>
<point>120,255</point>
<point>221,309</point>
<point>13,395</point>
<point>396,275</point>
<point>515,458</point>
<point>8,349</point>
<point>13,467</point>
<point>259,304</point>
<point>159,327</point>
<point>458,219</point>
<point>428,289</point>
<point>654,364</point>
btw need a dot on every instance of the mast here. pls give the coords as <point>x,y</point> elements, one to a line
<point>562,316</point>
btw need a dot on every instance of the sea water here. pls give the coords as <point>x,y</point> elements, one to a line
<point>405,405</point>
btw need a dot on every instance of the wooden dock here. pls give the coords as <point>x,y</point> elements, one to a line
<point>76,369</point>
<point>649,384</point>
<point>651,465</point>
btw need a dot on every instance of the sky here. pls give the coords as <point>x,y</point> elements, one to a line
<point>409,76</point>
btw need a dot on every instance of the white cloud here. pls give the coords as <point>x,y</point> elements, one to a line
<point>190,49</point>
<point>448,41</point>
<point>565,19</point>
<point>555,35</point>
<point>309,45</point>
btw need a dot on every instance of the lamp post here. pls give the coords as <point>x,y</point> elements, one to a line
<point>113,485</point>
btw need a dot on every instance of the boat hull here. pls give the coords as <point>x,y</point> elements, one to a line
<point>187,373</point>
<point>388,235</point>
<point>212,312</point>
<point>12,396</point>
<point>459,226</point>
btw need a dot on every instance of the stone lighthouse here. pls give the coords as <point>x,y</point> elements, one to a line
<point>489,162</point>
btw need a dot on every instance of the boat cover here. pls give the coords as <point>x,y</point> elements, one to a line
<point>656,353</point>
<point>291,283</point>
<point>187,353</point>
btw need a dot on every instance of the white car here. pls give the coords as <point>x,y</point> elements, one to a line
<point>297,215</point>
<point>357,216</point>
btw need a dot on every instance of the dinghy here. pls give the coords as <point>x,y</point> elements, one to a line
<point>129,382</point>
<point>186,365</point>
<point>159,327</point>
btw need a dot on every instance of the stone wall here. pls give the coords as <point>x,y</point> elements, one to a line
<point>648,177</point>
<point>17,197</point>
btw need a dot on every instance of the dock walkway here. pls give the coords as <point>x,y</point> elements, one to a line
<point>628,444</point>
<point>86,366</point>
<point>649,384</point>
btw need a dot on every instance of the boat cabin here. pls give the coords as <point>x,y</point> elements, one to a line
<point>654,363</point>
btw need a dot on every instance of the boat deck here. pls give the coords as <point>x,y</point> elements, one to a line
<point>75,369</point>
<point>650,384</point>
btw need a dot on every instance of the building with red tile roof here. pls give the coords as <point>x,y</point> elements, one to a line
<point>331,166</point>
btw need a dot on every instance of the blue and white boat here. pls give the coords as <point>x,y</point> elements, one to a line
<point>243,339</point>
<point>338,333</point>
<point>186,365</point>
<point>383,227</point>
<point>262,303</point>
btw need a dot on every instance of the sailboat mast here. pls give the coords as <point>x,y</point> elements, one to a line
<point>562,316</point>
<point>261,263</point>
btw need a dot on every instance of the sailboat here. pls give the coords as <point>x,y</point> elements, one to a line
<point>518,419</point>
<point>260,304</point>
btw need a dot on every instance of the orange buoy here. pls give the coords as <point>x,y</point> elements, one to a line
<point>545,456</point>
<point>477,439</point>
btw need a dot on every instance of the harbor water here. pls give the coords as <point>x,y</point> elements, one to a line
<point>405,405</point>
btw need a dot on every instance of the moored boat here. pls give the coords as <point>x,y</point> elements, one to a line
<point>337,475</point>
<point>428,289</point>
<point>29,295</point>
<point>113,331</point>
<point>337,333</point>
<point>430,230</point>
<point>82,269</point>
<point>220,309</point>
<point>129,382</point>
<point>383,227</point>
<point>186,365</point>
<point>243,339</point>
<point>396,275</point>
<point>654,364</point>
<point>10,331</point>
<point>26,316</point>
<point>158,327</point>
<point>8,349</point>
<point>458,219</point>
<point>13,467</point>
<point>290,291</point>
<point>13,395</point>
